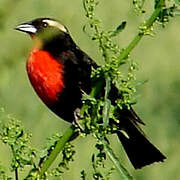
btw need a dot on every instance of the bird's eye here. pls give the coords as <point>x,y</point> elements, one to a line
<point>45,24</point>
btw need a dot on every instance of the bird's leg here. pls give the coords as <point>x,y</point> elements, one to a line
<point>78,116</point>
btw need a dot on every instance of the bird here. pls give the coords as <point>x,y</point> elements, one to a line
<point>59,71</point>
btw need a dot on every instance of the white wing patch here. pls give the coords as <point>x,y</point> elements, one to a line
<point>55,24</point>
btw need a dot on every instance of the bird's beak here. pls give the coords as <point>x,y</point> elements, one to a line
<point>27,28</point>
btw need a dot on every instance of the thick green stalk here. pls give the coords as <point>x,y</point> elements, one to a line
<point>138,37</point>
<point>59,146</point>
<point>134,42</point>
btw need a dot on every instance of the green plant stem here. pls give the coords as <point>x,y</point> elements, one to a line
<point>16,169</point>
<point>139,36</point>
<point>107,102</point>
<point>133,43</point>
<point>59,146</point>
<point>122,171</point>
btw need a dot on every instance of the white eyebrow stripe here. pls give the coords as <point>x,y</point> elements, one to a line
<point>55,24</point>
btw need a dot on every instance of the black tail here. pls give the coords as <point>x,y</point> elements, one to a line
<point>140,150</point>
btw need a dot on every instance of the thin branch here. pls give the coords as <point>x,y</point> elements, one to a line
<point>122,171</point>
<point>138,37</point>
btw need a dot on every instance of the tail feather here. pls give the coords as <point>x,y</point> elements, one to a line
<point>140,150</point>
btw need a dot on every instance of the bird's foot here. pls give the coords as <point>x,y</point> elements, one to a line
<point>78,116</point>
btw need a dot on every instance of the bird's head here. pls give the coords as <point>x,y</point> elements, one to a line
<point>44,29</point>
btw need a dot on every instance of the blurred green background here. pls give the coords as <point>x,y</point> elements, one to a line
<point>158,99</point>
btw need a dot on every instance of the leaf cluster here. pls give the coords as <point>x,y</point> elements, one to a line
<point>24,156</point>
<point>13,135</point>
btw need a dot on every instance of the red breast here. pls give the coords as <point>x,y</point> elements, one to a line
<point>46,76</point>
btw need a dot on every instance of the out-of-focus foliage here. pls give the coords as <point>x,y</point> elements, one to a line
<point>158,59</point>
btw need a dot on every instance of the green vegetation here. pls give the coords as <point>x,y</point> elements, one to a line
<point>158,99</point>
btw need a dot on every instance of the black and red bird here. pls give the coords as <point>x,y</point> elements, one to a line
<point>59,71</point>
